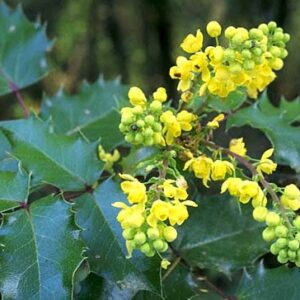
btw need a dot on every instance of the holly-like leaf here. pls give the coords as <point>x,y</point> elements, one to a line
<point>66,162</point>
<point>276,123</point>
<point>269,284</point>
<point>14,189</point>
<point>219,236</point>
<point>40,251</point>
<point>106,247</point>
<point>22,50</point>
<point>92,112</point>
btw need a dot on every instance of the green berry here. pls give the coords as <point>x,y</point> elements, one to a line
<point>281,243</point>
<point>286,37</point>
<point>153,233</point>
<point>246,54</point>
<point>268,234</point>
<point>157,127</point>
<point>274,249</point>
<point>259,213</point>
<point>276,51</point>
<point>297,236</point>
<point>151,253</point>
<point>264,28</point>
<point>257,51</point>
<point>129,137</point>
<point>283,253</point>
<point>138,138</point>
<point>256,34</point>
<point>122,127</point>
<point>294,245</point>
<point>282,260</point>
<point>235,68</point>
<point>149,141</point>
<point>229,54</point>
<point>140,123</point>
<point>128,234</point>
<point>278,36</point>
<point>148,132</point>
<point>281,231</point>
<point>140,238</point>
<point>158,245</point>
<point>283,53</point>
<point>272,25</point>
<point>249,65</point>
<point>165,248</point>
<point>146,248</point>
<point>272,219</point>
<point>296,222</point>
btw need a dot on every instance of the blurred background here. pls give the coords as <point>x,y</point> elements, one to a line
<point>139,39</point>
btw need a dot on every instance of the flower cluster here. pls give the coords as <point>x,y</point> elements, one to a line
<point>149,123</point>
<point>149,219</point>
<point>249,60</point>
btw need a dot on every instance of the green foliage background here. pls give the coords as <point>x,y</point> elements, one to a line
<point>59,238</point>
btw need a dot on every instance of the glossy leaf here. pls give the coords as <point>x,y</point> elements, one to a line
<point>106,247</point>
<point>276,123</point>
<point>66,162</point>
<point>23,50</point>
<point>40,250</point>
<point>218,236</point>
<point>269,284</point>
<point>92,112</point>
<point>14,189</point>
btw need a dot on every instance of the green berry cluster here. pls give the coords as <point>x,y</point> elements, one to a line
<point>149,240</point>
<point>141,124</point>
<point>285,239</point>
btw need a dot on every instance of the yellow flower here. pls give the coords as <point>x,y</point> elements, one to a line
<point>247,190</point>
<point>266,165</point>
<point>160,209</point>
<point>220,168</point>
<point>200,64</point>
<point>191,43</point>
<point>291,197</point>
<point>136,96</point>
<point>201,167</point>
<point>164,264</point>
<point>260,199</point>
<point>171,191</point>
<point>215,121</point>
<point>231,184</point>
<point>135,190</point>
<point>213,29</point>
<point>185,119</point>
<point>108,158</point>
<point>172,127</point>
<point>178,214</point>
<point>160,94</point>
<point>186,96</point>
<point>238,146</point>
<point>184,72</point>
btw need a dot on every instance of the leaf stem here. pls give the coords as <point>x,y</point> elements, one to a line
<point>14,88</point>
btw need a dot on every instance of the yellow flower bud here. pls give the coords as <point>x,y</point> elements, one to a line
<point>160,94</point>
<point>136,96</point>
<point>260,213</point>
<point>213,29</point>
<point>191,43</point>
<point>170,234</point>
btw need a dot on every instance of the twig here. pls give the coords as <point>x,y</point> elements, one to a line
<point>172,267</point>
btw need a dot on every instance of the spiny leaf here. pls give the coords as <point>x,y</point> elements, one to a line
<point>218,236</point>
<point>22,51</point>
<point>106,246</point>
<point>270,284</point>
<point>66,162</point>
<point>276,123</point>
<point>92,112</point>
<point>40,251</point>
<point>14,189</point>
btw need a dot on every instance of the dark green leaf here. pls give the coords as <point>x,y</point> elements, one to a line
<point>23,50</point>
<point>93,112</point>
<point>66,162</point>
<point>14,189</point>
<point>106,247</point>
<point>218,236</point>
<point>276,124</point>
<point>270,284</point>
<point>40,251</point>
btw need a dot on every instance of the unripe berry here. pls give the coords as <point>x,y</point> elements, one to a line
<point>150,253</point>
<point>229,55</point>
<point>294,245</point>
<point>246,54</point>
<point>286,37</point>
<point>129,137</point>
<point>281,243</point>
<point>260,213</point>
<point>165,248</point>
<point>248,64</point>
<point>272,25</point>
<point>149,119</point>
<point>128,234</point>
<point>281,231</point>
<point>247,44</point>
<point>272,219</point>
<point>276,51</point>
<point>138,138</point>
<point>147,250</point>
<point>237,39</point>
<point>140,238</point>
<point>268,234</point>
<point>283,53</point>
<point>170,234</point>
<point>158,245</point>
<point>296,222</point>
<point>282,259</point>
<point>276,64</point>
<point>264,28</point>
<point>274,249</point>
<point>149,141</point>
<point>235,68</point>
<point>256,34</point>
<point>213,29</point>
<point>153,233</point>
<point>156,106</point>
<point>257,51</point>
<point>292,254</point>
<point>283,253</point>
<point>278,36</point>
<point>122,127</point>
<point>157,127</point>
